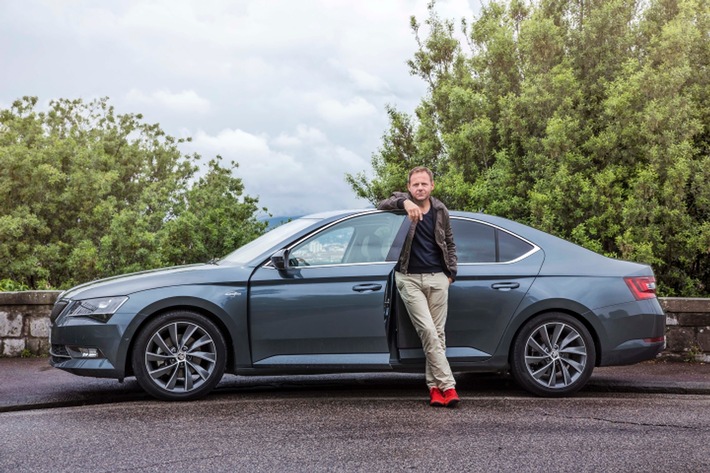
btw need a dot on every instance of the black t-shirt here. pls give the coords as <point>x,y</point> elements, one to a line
<point>426,254</point>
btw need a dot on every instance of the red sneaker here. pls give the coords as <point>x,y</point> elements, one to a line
<point>437,399</point>
<point>451,399</point>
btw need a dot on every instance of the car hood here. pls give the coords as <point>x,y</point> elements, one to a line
<point>128,284</point>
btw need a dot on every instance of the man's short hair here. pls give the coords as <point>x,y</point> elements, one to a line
<point>420,169</point>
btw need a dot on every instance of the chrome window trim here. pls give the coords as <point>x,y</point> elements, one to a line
<point>532,251</point>
<point>268,264</point>
<point>333,265</point>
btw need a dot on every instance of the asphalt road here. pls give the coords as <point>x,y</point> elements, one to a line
<point>322,429</point>
<point>32,383</point>
<point>647,417</point>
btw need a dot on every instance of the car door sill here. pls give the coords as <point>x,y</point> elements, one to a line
<point>369,360</point>
<point>452,353</point>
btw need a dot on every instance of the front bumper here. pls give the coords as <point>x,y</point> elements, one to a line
<point>96,368</point>
<point>87,347</point>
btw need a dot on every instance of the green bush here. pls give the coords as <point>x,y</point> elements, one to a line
<point>89,193</point>
<point>8,285</point>
<point>589,120</point>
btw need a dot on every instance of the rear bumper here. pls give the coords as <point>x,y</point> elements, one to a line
<point>634,332</point>
<point>632,351</point>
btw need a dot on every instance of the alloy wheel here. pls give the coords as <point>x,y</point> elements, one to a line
<point>180,357</point>
<point>555,355</point>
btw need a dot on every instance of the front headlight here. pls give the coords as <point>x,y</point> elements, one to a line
<point>101,308</point>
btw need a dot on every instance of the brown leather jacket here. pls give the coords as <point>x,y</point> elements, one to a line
<point>442,229</point>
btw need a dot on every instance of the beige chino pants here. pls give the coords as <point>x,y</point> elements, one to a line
<point>426,297</point>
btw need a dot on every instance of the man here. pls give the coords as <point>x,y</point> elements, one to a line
<point>426,268</point>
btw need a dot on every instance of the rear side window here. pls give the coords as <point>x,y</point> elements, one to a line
<point>477,242</point>
<point>511,247</point>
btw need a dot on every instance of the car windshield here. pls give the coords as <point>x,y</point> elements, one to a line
<point>247,253</point>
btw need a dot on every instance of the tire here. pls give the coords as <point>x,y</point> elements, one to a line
<point>179,356</point>
<point>553,355</point>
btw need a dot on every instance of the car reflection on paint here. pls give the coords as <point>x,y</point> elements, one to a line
<point>315,295</point>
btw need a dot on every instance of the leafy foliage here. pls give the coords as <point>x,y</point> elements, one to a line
<point>87,193</point>
<point>587,119</point>
<point>8,285</point>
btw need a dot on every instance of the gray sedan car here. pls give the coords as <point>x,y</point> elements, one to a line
<point>316,295</point>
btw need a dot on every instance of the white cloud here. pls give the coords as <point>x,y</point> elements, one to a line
<point>293,182</point>
<point>237,142</point>
<point>356,108</point>
<point>293,91</point>
<point>304,135</point>
<point>186,101</point>
<point>368,82</point>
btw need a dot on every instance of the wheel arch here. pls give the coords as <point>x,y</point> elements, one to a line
<point>568,309</point>
<point>204,310</point>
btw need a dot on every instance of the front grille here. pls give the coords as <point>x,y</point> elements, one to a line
<point>58,309</point>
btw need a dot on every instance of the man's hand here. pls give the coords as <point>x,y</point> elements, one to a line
<point>413,211</point>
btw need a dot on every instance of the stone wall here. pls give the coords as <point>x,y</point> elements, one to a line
<point>687,328</point>
<point>24,322</point>
<point>24,325</point>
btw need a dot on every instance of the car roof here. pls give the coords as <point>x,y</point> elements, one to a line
<point>509,225</point>
<point>335,214</point>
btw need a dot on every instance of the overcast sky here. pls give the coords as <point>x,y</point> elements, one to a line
<point>294,91</point>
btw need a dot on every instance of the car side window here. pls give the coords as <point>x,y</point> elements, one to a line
<point>511,247</point>
<point>480,243</point>
<point>362,239</point>
<point>475,242</point>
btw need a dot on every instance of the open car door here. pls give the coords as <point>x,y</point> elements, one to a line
<point>319,304</point>
<point>495,271</point>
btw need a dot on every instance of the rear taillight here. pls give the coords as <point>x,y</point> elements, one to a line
<point>642,287</point>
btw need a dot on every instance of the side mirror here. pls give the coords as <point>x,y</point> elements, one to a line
<point>280,260</point>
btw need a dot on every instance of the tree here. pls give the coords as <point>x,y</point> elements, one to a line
<point>87,193</point>
<point>587,119</point>
<point>213,218</point>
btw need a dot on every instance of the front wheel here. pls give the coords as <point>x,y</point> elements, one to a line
<point>179,356</point>
<point>553,355</point>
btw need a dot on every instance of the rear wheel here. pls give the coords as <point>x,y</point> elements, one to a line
<point>553,355</point>
<point>179,356</point>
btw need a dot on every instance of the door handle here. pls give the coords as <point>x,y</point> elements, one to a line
<point>505,286</point>
<point>367,287</point>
